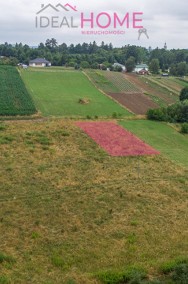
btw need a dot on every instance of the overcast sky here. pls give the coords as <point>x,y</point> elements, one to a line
<point>165,21</point>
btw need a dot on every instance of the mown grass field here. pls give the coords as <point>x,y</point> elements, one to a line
<point>14,97</point>
<point>164,138</point>
<point>69,211</point>
<point>102,83</point>
<point>58,94</point>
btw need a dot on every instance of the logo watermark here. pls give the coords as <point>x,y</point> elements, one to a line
<point>142,31</point>
<point>102,23</point>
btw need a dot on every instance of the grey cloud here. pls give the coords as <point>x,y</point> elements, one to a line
<point>166,20</point>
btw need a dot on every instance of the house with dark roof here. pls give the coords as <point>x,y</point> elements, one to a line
<point>39,62</point>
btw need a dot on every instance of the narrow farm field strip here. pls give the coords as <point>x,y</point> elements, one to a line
<point>138,103</point>
<point>165,83</point>
<point>59,94</point>
<point>101,82</point>
<point>171,83</point>
<point>153,89</point>
<point>119,80</point>
<point>115,140</point>
<point>14,97</point>
<point>182,82</point>
<point>162,137</point>
<point>171,94</point>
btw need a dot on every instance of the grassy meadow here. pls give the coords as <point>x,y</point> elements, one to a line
<point>161,136</point>
<point>58,94</point>
<point>68,211</point>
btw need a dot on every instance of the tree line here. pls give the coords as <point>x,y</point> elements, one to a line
<point>91,55</point>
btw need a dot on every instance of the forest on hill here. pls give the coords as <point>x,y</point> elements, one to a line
<point>90,55</point>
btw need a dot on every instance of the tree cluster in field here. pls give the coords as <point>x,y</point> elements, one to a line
<point>92,55</point>
<point>174,113</point>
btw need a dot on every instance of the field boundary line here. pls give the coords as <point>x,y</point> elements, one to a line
<point>106,93</point>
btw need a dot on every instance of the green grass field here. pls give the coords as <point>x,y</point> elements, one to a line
<point>119,80</point>
<point>102,83</point>
<point>68,211</point>
<point>58,94</point>
<point>164,138</point>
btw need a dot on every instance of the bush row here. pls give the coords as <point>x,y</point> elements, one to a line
<point>174,113</point>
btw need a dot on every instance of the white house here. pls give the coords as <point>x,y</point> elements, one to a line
<point>39,62</point>
<point>119,65</point>
<point>141,67</point>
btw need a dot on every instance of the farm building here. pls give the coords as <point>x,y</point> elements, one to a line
<point>115,65</point>
<point>39,62</point>
<point>141,67</point>
<point>143,72</point>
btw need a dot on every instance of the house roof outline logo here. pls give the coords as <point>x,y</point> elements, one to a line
<point>71,7</point>
<point>56,8</point>
<point>61,6</point>
<point>46,7</point>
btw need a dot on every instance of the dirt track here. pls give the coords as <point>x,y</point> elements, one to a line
<point>136,102</point>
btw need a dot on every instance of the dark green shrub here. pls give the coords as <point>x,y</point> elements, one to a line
<point>184,94</point>
<point>180,274</point>
<point>116,115</point>
<point>157,114</point>
<point>118,69</point>
<point>184,128</point>
<point>88,117</point>
<point>184,112</point>
<point>174,113</point>
<point>178,112</point>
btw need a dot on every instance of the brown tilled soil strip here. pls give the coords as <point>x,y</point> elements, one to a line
<point>136,102</point>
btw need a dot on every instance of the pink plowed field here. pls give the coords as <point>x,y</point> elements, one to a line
<point>115,140</point>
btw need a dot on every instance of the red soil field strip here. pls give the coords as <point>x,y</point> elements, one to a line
<point>115,140</point>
